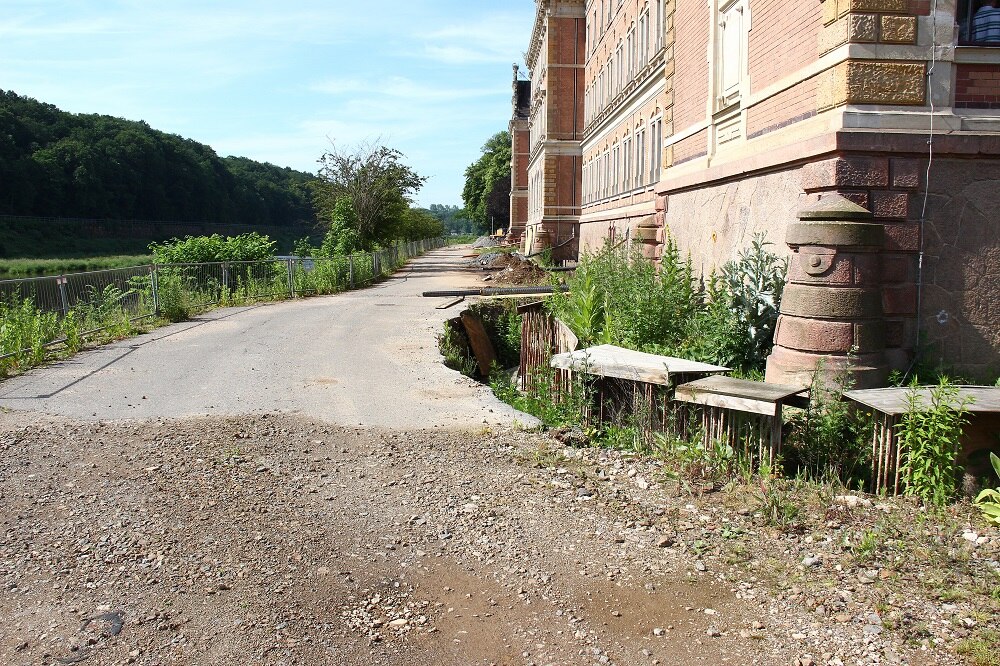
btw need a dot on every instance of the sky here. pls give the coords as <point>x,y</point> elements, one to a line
<point>278,81</point>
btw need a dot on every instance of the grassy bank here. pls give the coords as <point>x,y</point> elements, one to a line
<point>21,268</point>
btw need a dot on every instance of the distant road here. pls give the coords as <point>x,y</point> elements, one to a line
<point>364,358</point>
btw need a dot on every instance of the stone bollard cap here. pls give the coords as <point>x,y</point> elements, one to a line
<point>834,207</point>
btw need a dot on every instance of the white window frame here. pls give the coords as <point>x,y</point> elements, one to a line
<point>737,54</point>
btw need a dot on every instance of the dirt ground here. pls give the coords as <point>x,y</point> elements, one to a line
<point>274,539</point>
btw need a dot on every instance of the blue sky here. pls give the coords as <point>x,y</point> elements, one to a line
<point>273,80</point>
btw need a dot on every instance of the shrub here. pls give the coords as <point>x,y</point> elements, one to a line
<point>988,500</point>
<point>928,435</point>
<point>204,249</point>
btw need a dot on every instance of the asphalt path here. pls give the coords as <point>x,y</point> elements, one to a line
<point>360,358</point>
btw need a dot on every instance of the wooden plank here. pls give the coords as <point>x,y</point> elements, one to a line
<point>743,388</point>
<point>482,348</point>
<point>750,405</point>
<point>894,401</point>
<point>612,361</point>
<point>534,306</point>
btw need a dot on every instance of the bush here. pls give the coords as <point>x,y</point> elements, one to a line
<point>928,435</point>
<point>204,249</point>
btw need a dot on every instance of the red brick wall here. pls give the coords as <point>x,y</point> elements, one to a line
<point>795,26</point>
<point>787,107</point>
<point>977,86</point>
<point>565,86</point>
<point>691,63</point>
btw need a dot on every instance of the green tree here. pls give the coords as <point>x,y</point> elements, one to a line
<point>378,185</point>
<point>487,184</point>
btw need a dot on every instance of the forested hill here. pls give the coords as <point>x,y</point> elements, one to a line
<point>59,164</point>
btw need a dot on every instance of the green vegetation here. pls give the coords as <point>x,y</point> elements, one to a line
<point>20,268</point>
<point>453,218</point>
<point>988,500</point>
<point>59,164</point>
<point>203,249</point>
<point>487,185</point>
<point>617,297</point>
<point>364,197</point>
<point>929,437</point>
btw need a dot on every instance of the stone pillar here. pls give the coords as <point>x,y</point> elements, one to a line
<point>831,312</point>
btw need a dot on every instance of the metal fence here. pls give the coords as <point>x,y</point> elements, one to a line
<point>95,298</point>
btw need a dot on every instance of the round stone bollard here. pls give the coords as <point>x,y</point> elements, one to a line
<point>831,319</point>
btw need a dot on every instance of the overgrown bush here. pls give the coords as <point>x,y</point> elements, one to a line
<point>204,249</point>
<point>618,297</point>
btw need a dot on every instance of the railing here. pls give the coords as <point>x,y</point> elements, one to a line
<point>99,300</point>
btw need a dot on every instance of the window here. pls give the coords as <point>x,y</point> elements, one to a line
<point>627,162</point>
<point>978,23</point>
<point>644,37</point>
<point>615,185</point>
<point>619,58</point>
<point>630,51</point>
<point>640,156</point>
<point>655,149</point>
<point>730,53</point>
<point>661,24</point>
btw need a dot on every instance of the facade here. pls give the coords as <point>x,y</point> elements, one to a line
<point>520,136</point>
<point>555,60</point>
<point>734,115</point>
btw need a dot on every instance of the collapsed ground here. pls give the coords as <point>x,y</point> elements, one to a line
<point>272,539</point>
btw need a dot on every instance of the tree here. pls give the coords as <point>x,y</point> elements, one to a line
<point>378,185</point>
<point>487,184</point>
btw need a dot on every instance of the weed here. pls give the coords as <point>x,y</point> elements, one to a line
<point>988,500</point>
<point>776,505</point>
<point>928,435</point>
<point>981,648</point>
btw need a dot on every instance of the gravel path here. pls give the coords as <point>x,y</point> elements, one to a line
<point>281,533</point>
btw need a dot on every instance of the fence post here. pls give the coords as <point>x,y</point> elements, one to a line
<point>374,265</point>
<point>350,268</point>
<point>225,276</point>
<point>63,296</point>
<point>291,278</point>
<point>154,280</point>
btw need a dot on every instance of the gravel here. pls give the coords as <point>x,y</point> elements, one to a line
<point>282,540</point>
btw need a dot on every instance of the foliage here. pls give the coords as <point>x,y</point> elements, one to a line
<point>825,441</point>
<point>54,163</point>
<point>553,406</point>
<point>342,236</point>
<point>20,268</point>
<point>928,435</point>
<point>203,249</point>
<point>420,223</point>
<point>24,332</point>
<point>617,297</point>
<point>487,184</point>
<point>988,500</point>
<point>378,185</point>
<point>452,218</point>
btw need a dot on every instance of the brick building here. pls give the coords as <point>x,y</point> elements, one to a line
<point>520,137</point>
<point>730,116</point>
<point>554,58</point>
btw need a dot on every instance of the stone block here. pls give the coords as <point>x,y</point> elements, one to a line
<point>902,237</point>
<point>894,205</point>
<point>896,268</point>
<point>906,172</point>
<point>895,333</point>
<point>852,171</point>
<point>878,6</point>
<point>873,82</point>
<point>859,197</point>
<point>834,35</point>
<point>831,303</point>
<point>899,299</point>
<point>862,28</point>
<point>815,335</point>
<point>898,29</point>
